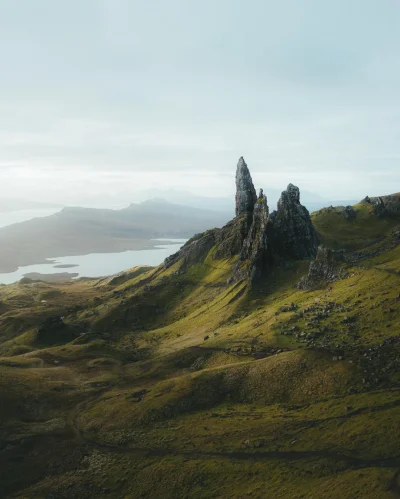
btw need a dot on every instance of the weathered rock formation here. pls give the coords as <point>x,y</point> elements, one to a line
<point>231,237</point>
<point>324,269</point>
<point>246,196</point>
<point>194,250</point>
<point>385,205</point>
<point>228,240</point>
<point>348,212</point>
<point>254,254</point>
<point>261,240</point>
<point>291,231</point>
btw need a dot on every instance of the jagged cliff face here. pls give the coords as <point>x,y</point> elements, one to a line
<point>292,231</point>
<point>254,252</point>
<point>287,233</point>
<point>385,205</point>
<point>324,269</point>
<point>259,238</point>
<point>246,196</point>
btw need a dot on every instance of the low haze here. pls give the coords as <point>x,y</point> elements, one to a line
<point>101,101</point>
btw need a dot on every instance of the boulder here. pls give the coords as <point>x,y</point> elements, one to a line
<point>348,212</point>
<point>324,269</point>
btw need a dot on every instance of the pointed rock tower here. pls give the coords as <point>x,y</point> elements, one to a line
<point>255,246</point>
<point>259,240</point>
<point>246,196</point>
<point>292,232</point>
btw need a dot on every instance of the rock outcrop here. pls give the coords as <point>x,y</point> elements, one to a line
<point>229,240</point>
<point>254,254</point>
<point>231,237</point>
<point>194,250</point>
<point>291,230</point>
<point>324,269</point>
<point>385,205</point>
<point>246,196</point>
<point>260,239</point>
<point>348,212</point>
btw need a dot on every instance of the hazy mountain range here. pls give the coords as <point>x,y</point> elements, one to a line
<point>82,230</point>
<point>311,200</point>
<point>77,231</point>
<point>225,204</point>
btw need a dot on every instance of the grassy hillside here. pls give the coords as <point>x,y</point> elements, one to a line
<point>176,382</point>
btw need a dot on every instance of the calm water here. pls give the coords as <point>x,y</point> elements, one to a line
<point>99,264</point>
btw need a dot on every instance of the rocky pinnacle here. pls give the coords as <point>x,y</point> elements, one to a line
<point>255,246</point>
<point>293,232</point>
<point>246,196</point>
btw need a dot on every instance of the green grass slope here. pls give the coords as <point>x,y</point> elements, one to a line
<point>179,383</point>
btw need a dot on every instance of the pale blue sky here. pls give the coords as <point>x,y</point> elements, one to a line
<point>121,95</point>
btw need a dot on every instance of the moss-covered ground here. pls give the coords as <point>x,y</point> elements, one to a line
<point>178,384</point>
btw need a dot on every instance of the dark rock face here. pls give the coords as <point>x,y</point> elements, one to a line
<point>324,269</point>
<point>259,239</point>
<point>227,242</point>
<point>385,205</point>
<point>194,250</point>
<point>348,212</point>
<point>255,246</point>
<point>246,196</point>
<point>231,237</point>
<point>292,232</point>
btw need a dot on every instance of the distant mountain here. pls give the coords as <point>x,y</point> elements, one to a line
<point>310,200</point>
<point>77,231</point>
<point>151,218</point>
<point>221,204</point>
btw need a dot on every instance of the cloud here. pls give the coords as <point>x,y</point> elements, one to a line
<point>306,91</point>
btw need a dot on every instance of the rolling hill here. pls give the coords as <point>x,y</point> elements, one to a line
<point>261,360</point>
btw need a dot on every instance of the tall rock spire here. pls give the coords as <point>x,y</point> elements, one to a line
<point>246,196</point>
<point>255,246</point>
<point>293,233</point>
